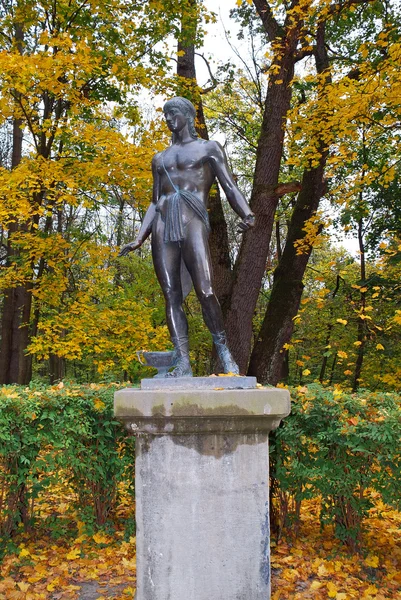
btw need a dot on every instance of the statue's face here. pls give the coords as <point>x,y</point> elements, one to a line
<point>175,119</point>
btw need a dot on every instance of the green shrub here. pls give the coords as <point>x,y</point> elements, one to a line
<point>340,447</point>
<point>335,446</point>
<point>98,454</point>
<point>47,429</point>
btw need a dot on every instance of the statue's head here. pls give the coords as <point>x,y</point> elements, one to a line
<point>187,109</point>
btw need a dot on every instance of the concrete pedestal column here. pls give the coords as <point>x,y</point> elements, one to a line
<point>202,486</point>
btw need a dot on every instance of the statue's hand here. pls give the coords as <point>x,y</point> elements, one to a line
<point>246,223</point>
<point>130,247</point>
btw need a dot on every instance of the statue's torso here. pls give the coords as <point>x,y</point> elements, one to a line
<point>189,169</point>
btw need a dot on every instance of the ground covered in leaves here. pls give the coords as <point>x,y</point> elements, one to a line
<point>60,559</point>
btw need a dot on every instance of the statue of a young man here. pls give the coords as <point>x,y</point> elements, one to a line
<point>178,221</point>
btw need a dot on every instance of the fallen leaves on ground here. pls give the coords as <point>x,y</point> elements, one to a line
<point>51,564</point>
<point>316,565</point>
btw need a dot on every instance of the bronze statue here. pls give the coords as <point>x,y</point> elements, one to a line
<point>178,221</point>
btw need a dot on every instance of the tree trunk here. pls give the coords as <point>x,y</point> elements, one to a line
<point>251,262</point>
<point>15,365</point>
<point>267,358</point>
<point>56,368</point>
<point>268,354</point>
<point>361,322</point>
<point>328,333</point>
<point>218,240</point>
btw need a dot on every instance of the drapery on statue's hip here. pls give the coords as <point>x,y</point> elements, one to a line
<point>172,214</point>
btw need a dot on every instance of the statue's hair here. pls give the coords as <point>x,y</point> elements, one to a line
<point>187,109</point>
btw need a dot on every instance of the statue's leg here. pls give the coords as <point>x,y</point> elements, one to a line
<point>167,264</point>
<point>196,255</point>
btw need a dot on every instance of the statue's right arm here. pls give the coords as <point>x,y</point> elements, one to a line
<point>147,223</point>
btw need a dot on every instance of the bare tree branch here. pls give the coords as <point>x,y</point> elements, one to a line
<point>214,81</point>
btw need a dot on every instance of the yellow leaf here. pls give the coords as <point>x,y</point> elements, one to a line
<point>371,590</point>
<point>316,585</point>
<point>35,578</point>
<point>379,347</point>
<point>98,404</point>
<point>322,571</point>
<point>100,538</point>
<point>229,374</point>
<point>342,321</point>
<point>73,554</point>
<point>24,552</point>
<point>372,561</point>
<point>306,372</point>
<point>332,590</point>
<point>23,586</point>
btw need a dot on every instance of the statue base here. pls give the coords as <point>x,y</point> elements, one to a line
<point>202,486</point>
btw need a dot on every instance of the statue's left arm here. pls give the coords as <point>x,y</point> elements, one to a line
<point>147,223</point>
<point>218,162</point>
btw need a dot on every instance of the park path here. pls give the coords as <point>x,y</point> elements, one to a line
<point>93,590</point>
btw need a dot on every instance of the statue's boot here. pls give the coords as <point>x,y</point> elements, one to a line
<point>227,362</point>
<point>182,366</point>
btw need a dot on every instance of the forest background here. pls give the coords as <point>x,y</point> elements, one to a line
<point>309,114</point>
<point>310,120</point>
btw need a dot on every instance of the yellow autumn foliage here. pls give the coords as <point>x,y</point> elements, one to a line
<point>68,84</point>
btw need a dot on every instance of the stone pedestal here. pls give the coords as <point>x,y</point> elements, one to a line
<point>202,487</point>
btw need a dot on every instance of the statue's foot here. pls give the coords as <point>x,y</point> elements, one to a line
<point>182,369</point>
<point>228,363</point>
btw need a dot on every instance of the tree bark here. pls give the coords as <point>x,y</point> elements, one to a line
<point>218,240</point>
<point>268,355</point>
<point>328,332</point>
<point>251,262</point>
<point>15,365</point>
<point>361,322</point>
<point>56,368</point>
